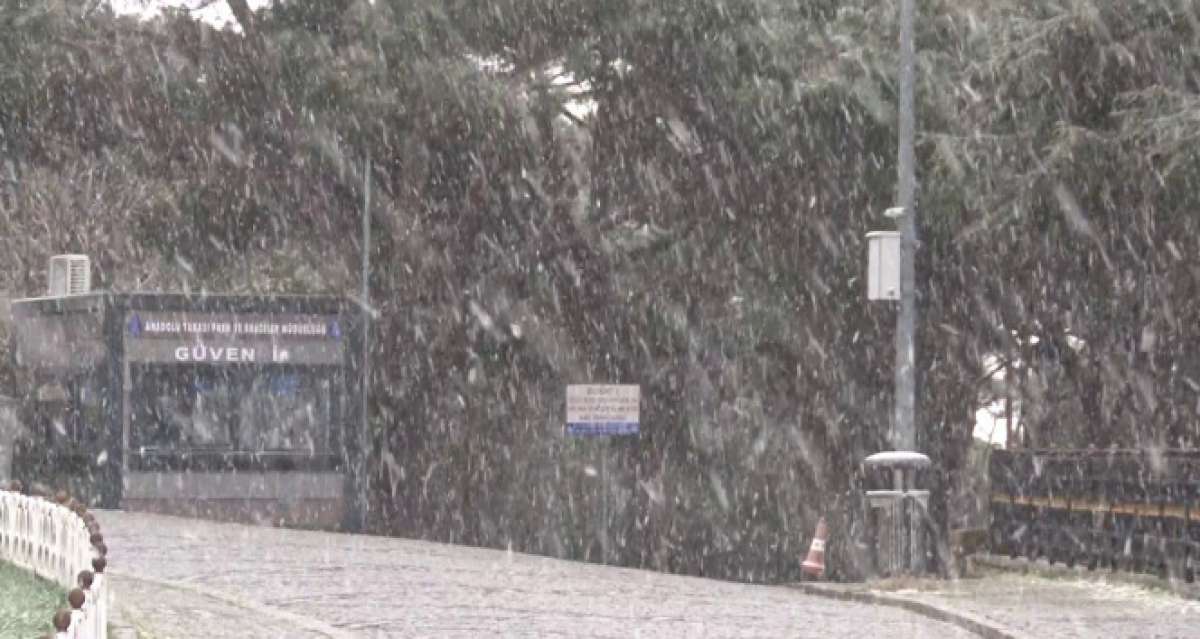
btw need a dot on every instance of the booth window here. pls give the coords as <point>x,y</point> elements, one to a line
<point>86,418</point>
<point>182,407</point>
<point>287,409</point>
<point>245,408</point>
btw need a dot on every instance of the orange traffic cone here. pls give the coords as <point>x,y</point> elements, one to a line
<point>814,564</point>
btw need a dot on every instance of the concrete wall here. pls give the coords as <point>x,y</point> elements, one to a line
<point>8,407</point>
<point>8,435</point>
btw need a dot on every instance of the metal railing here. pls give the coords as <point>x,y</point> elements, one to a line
<point>1134,510</point>
<point>57,539</point>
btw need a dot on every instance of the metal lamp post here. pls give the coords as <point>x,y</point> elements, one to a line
<point>904,435</point>
<point>364,426</point>
<point>900,508</point>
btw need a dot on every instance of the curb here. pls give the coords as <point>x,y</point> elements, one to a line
<point>972,623</point>
<point>1041,568</point>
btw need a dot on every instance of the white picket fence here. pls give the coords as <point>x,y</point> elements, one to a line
<point>55,543</point>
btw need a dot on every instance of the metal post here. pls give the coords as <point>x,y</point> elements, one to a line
<point>904,435</point>
<point>604,501</point>
<point>1008,405</point>
<point>365,437</point>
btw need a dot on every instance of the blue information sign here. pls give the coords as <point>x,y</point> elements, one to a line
<point>600,410</point>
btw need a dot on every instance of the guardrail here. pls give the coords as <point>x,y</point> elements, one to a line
<point>57,539</point>
<point>1134,510</point>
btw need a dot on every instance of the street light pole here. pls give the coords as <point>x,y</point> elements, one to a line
<point>904,432</point>
<point>365,431</point>
<point>901,512</point>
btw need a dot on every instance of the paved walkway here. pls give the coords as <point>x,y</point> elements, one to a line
<point>1068,605</point>
<point>150,610</point>
<point>183,578</point>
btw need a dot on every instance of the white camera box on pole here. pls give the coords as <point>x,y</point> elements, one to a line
<point>883,265</point>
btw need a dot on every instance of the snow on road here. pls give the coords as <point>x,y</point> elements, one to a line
<point>233,580</point>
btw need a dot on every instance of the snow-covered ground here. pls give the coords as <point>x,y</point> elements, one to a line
<point>222,577</point>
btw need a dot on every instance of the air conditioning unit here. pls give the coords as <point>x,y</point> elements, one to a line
<point>70,275</point>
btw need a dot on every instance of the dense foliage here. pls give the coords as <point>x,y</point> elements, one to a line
<point>662,192</point>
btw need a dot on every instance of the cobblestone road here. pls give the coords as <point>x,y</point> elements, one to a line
<point>179,577</point>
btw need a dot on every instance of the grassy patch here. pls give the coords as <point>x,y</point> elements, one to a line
<point>27,603</point>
